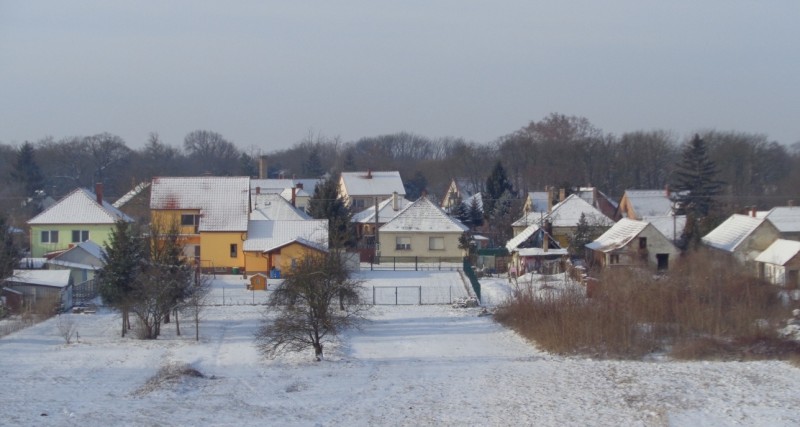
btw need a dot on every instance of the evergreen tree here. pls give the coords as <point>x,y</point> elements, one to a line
<point>9,251</point>
<point>496,185</point>
<point>695,188</point>
<point>312,167</point>
<point>26,170</point>
<point>122,262</point>
<point>326,204</point>
<point>584,233</point>
<point>415,186</point>
<point>475,213</point>
<point>461,212</point>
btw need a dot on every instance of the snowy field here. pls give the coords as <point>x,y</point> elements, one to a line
<point>409,365</point>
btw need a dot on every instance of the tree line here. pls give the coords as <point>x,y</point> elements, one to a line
<point>558,150</point>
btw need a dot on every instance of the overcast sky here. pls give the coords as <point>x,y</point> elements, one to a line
<point>266,73</point>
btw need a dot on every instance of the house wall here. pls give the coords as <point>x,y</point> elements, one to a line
<point>289,253</point>
<point>46,298</point>
<point>98,233</point>
<point>631,254</point>
<point>165,218</point>
<point>758,241</point>
<point>215,247</point>
<point>256,262</point>
<point>419,245</point>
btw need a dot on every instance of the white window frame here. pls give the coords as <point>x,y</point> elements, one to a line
<point>402,243</point>
<point>432,245</point>
<point>52,236</point>
<point>83,235</point>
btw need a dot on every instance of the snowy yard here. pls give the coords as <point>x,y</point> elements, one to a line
<point>409,365</point>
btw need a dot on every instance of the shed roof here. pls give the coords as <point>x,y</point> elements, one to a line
<point>732,232</point>
<point>223,201</point>
<point>264,236</point>
<point>373,183</point>
<point>79,207</point>
<point>424,216</point>
<point>618,236</point>
<point>779,252</point>
<point>51,278</point>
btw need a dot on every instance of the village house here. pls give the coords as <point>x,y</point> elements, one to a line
<point>562,219</point>
<point>423,230</point>
<point>298,192</point>
<point>743,237</point>
<point>632,242</point>
<point>780,263</point>
<point>639,204</point>
<point>533,249</point>
<point>464,191</point>
<point>212,213</point>
<point>366,222</point>
<point>360,190</point>
<point>80,216</point>
<point>279,244</point>
<point>82,260</point>
<point>787,220</point>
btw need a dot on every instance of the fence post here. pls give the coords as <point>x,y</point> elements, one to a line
<point>395,295</point>
<point>373,295</point>
<point>420,295</point>
<point>416,263</point>
<point>394,263</point>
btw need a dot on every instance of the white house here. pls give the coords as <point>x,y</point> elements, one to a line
<point>360,189</point>
<point>780,263</point>
<point>633,243</point>
<point>743,237</point>
<point>422,229</point>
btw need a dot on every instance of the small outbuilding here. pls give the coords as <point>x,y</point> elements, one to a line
<point>780,263</point>
<point>43,290</point>
<point>258,282</point>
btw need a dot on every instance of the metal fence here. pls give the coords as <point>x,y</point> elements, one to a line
<point>411,295</point>
<point>414,263</point>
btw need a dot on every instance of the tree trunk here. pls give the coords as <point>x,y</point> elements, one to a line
<point>318,351</point>
<point>177,323</point>
<point>197,323</point>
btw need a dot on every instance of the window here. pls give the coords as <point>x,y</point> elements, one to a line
<point>80,236</point>
<point>189,220</point>
<point>436,243</point>
<point>358,203</point>
<point>643,243</point>
<point>403,243</point>
<point>50,236</point>
<point>234,250</point>
<point>614,259</point>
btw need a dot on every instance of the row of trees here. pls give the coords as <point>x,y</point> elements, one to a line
<point>146,274</point>
<point>559,150</point>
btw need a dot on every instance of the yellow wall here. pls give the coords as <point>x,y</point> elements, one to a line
<point>281,258</point>
<point>255,262</point>
<point>215,247</point>
<point>168,217</point>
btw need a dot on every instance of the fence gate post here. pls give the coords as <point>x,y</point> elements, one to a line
<point>420,295</point>
<point>373,295</point>
<point>416,263</point>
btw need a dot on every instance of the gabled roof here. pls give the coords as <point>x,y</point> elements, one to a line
<point>785,218</point>
<point>670,226</point>
<point>67,258</point>
<point>591,195</point>
<point>264,236</point>
<point>52,278</point>
<point>80,207</point>
<point>424,216</point>
<point>275,207</point>
<point>732,232</point>
<point>385,211</point>
<point>515,241</point>
<point>373,183</point>
<point>223,202</point>
<point>618,236</point>
<point>649,202</point>
<point>779,252</point>
<point>567,213</point>
<point>131,194</point>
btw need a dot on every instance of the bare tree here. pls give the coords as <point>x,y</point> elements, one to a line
<point>67,327</point>
<point>318,298</point>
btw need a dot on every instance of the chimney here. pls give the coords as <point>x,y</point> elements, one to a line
<point>98,191</point>
<point>369,173</point>
<point>262,167</point>
<point>562,194</point>
<point>258,190</point>
<point>294,197</point>
<point>395,202</point>
<point>753,211</point>
<point>299,185</point>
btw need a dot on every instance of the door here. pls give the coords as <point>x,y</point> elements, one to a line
<point>663,261</point>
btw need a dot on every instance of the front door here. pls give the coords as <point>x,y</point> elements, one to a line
<point>663,261</point>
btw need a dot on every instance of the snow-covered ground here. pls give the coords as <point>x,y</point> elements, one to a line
<point>409,365</point>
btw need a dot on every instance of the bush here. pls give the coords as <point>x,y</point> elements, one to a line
<point>705,308</point>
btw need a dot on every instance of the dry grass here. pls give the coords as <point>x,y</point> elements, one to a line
<point>704,309</point>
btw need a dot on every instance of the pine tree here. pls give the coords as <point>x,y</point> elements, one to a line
<point>26,170</point>
<point>122,259</point>
<point>326,204</point>
<point>584,233</point>
<point>496,185</point>
<point>695,188</point>
<point>475,213</point>
<point>312,167</point>
<point>461,212</point>
<point>9,251</point>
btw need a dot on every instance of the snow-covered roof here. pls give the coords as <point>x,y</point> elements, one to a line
<point>424,216</point>
<point>264,236</point>
<point>517,240</point>
<point>668,225</point>
<point>131,194</point>
<point>619,235</point>
<point>80,207</point>
<point>386,211</point>
<point>567,213</point>
<point>467,187</point>
<point>779,252</point>
<point>373,183</point>
<point>732,232</point>
<point>275,207</point>
<point>223,201</point>
<point>785,218</point>
<point>649,202</point>
<point>531,252</point>
<point>53,278</point>
<point>592,194</point>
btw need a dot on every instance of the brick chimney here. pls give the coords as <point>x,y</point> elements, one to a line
<point>753,211</point>
<point>299,185</point>
<point>294,197</point>
<point>98,192</point>
<point>369,174</point>
<point>562,194</point>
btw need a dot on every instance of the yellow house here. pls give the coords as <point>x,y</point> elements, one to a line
<point>212,213</point>
<point>421,230</point>
<point>280,244</point>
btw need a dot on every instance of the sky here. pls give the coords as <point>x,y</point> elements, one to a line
<point>268,74</point>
